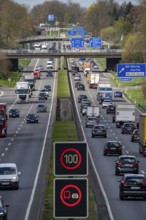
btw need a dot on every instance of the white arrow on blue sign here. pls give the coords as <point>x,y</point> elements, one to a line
<point>95,42</point>
<point>126,79</point>
<point>131,70</point>
<point>77,42</point>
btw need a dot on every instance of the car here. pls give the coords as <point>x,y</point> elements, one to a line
<point>49,73</point>
<point>111,109</point>
<point>3,209</point>
<point>9,176</point>
<point>14,113</point>
<point>112,148</point>
<point>81,87</point>
<point>47,87</point>
<point>118,94</point>
<point>128,128</point>
<point>81,96</point>
<point>32,118</point>
<point>41,108</point>
<point>77,78</point>
<point>91,121</point>
<point>126,164</point>
<point>84,102</point>
<point>135,135</point>
<point>43,96</point>
<point>77,84</point>
<point>132,185</point>
<point>106,103</point>
<point>45,91</point>
<point>49,66</point>
<point>99,130</point>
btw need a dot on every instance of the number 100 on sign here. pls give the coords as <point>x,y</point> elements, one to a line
<point>70,158</point>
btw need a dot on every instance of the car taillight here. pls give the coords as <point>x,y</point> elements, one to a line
<point>106,148</point>
<point>119,163</point>
<point>119,148</point>
<point>124,183</point>
<point>144,183</point>
<point>135,164</point>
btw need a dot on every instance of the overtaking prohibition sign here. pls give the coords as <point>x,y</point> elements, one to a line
<point>70,158</point>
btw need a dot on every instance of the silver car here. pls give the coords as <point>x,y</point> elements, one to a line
<point>9,176</point>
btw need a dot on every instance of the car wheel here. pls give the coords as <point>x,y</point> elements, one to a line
<point>92,136</point>
<point>121,196</point>
<point>104,153</point>
<point>105,136</point>
<point>132,140</point>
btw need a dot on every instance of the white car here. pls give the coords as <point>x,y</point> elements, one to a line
<point>9,176</point>
<point>106,103</point>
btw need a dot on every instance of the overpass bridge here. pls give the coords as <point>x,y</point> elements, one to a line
<point>112,56</point>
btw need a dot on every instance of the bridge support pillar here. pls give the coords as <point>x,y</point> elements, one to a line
<point>14,65</point>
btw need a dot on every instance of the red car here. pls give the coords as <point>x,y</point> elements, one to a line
<point>135,135</point>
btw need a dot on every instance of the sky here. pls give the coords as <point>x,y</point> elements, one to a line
<point>83,3</point>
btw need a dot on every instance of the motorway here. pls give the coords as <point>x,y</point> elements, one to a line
<point>28,145</point>
<point>105,165</point>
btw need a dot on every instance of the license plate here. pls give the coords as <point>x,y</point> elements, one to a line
<point>113,148</point>
<point>128,165</point>
<point>133,187</point>
<point>5,183</point>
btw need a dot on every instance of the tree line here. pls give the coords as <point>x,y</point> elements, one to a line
<point>122,25</point>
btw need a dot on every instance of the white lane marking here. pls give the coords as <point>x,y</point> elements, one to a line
<point>9,144</point>
<point>1,93</point>
<point>142,171</point>
<point>6,148</point>
<point>41,157</point>
<point>127,152</point>
<point>3,154</point>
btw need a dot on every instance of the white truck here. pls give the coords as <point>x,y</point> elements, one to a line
<point>124,113</point>
<point>93,111</point>
<point>93,80</point>
<point>23,92</point>
<point>29,77</point>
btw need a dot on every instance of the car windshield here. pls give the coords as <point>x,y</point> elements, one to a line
<point>127,160</point>
<point>129,125</point>
<point>7,170</point>
<point>113,144</point>
<point>99,127</point>
<point>135,180</point>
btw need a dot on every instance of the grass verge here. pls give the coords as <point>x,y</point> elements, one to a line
<point>64,131</point>
<point>12,79</point>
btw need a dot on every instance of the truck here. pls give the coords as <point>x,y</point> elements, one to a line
<point>142,134</point>
<point>104,91</point>
<point>23,92</point>
<point>93,80</point>
<point>124,113</point>
<point>29,77</point>
<point>3,119</point>
<point>37,74</point>
<point>93,111</point>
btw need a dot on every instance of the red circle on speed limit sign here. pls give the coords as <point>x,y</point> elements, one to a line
<point>70,195</point>
<point>70,159</point>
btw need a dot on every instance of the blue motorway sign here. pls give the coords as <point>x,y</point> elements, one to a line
<point>131,70</point>
<point>95,42</point>
<point>82,32</point>
<point>72,32</point>
<point>50,17</point>
<point>77,42</point>
<point>126,79</point>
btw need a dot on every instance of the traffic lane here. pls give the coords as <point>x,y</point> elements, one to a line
<point>18,157</point>
<point>108,169</point>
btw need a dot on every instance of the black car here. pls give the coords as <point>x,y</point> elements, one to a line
<point>41,108</point>
<point>132,185</point>
<point>111,109</point>
<point>14,113</point>
<point>128,128</point>
<point>47,87</point>
<point>80,97</point>
<point>77,84</point>
<point>80,87</point>
<point>32,118</point>
<point>112,148</point>
<point>126,164</point>
<point>118,94</point>
<point>99,130</point>
<point>3,210</point>
<point>43,96</point>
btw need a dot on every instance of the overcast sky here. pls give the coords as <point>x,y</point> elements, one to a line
<point>83,3</point>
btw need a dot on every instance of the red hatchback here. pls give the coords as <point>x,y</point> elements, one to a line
<point>135,135</point>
